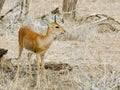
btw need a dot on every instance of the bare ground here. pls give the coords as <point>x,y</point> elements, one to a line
<point>86,58</point>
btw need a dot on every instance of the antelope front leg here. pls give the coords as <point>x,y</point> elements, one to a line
<point>38,67</point>
<point>38,61</point>
<point>42,64</point>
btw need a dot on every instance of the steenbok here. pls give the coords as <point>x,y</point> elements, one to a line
<point>38,43</point>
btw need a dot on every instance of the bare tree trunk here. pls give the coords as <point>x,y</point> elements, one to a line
<point>1,4</point>
<point>69,8</point>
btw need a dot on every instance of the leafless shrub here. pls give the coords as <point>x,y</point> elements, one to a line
<point>91,59</point>
<point>106,27</point>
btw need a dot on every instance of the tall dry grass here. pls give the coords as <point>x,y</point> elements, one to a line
<point>93,55</point>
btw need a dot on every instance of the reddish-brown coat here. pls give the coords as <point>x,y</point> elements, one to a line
<point>28,38</point>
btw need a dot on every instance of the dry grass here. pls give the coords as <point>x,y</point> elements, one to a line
<point>85,58</point>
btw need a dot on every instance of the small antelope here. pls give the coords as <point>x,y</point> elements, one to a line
<point>38,43</point>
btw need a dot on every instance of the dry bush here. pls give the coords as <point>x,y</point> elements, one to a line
<point>89,26</point>
<point>85,59</point>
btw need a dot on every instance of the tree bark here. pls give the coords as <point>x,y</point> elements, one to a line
<point>69,8</point>
<point>1,4</point>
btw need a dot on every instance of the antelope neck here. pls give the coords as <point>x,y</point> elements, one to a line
<point>48,38</point>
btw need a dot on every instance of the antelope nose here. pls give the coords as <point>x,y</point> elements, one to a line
<point>63,32</point>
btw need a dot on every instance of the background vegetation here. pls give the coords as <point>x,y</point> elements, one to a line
<point>86,57</point>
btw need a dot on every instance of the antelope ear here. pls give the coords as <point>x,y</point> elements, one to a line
<point>55,18</point>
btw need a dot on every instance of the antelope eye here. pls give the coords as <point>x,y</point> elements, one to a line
<point>56,26</point>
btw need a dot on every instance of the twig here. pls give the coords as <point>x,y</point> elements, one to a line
<point>1,17</point>
<point>21,11</point>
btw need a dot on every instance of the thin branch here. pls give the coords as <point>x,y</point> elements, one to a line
<point>21,11</point>
<point>1,17</point>
<point>27,3</point>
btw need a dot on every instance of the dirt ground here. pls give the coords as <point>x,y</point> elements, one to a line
<point>88,54</point>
